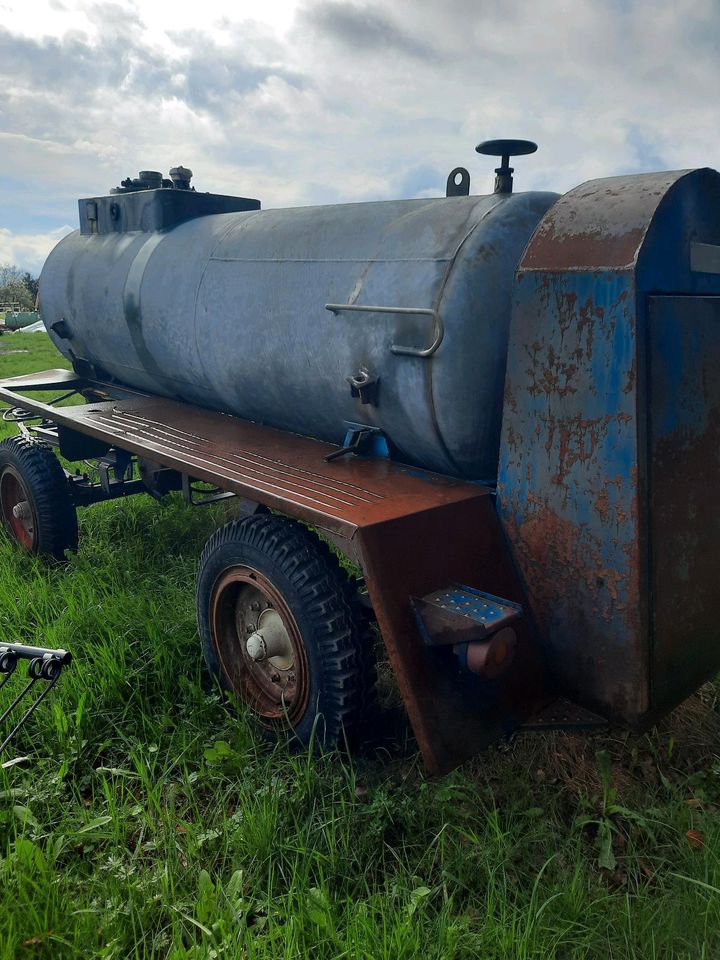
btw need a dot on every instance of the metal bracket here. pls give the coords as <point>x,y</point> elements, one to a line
<point>61,328</point>
<point>190,494</point>
<point>364,386</point>
<point>120,462</point>
<point>158,480</point>
<point>365,441</point>
<point>45,665</point>
<point>438,327</point>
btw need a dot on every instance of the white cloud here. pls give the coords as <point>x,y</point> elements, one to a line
<point>330,100</point>
<point>29,250</point>
<point>57,18</point>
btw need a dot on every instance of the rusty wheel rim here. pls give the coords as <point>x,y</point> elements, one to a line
<point>17,509</point>
<point>247,609</point>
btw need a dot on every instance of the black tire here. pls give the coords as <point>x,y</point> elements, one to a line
<point>327,633</point>
<point>32,479</point>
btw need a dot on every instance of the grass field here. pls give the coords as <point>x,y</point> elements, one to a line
<point>148,821</point>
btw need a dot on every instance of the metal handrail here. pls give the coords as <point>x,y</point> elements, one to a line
<point>438,326</point>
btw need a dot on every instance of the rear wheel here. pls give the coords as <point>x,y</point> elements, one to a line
<point>282,630</point>
<point>37,510</point>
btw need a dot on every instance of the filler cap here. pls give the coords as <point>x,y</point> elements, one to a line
<point>505,149</point>
<point>181,177</point>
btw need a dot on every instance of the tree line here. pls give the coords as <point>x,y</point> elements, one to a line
<point>17,287</point>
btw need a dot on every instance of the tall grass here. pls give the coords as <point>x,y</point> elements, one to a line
<point>148,821</point>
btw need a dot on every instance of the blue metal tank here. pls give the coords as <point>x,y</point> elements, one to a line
<point>229,311</point>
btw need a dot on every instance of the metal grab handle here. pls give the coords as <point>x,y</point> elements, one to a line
<point>438,326</point>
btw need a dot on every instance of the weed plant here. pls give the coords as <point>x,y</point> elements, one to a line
<point>149,821</point>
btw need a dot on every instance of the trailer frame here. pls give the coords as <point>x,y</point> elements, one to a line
<point>412,533</point>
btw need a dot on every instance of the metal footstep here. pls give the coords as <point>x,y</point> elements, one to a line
<point>458,613</point>
<point>479,626</point>
<point>44,667</point>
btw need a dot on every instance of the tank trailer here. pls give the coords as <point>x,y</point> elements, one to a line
<point>503,410</point>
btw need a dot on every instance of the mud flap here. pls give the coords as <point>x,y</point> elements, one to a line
<point>453,712</point>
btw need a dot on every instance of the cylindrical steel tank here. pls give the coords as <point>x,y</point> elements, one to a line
<point>229,311</point>
<point>20,319</point>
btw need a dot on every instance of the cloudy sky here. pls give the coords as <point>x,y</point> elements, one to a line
<point>321,101</point>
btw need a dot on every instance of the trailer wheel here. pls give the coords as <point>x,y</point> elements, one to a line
<point>37,510</point>
<point>281,630</point>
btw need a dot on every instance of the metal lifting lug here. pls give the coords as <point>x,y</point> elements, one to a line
<point>458,183</point>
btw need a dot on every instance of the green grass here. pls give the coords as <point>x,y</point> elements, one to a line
<point>148,821</point>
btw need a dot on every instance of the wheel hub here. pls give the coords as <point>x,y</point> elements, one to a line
<point>270,641</point>
<point>259,646</point>
<point>22,511</point>
<point>17,511</point>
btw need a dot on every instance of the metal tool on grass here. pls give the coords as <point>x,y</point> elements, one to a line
<point>44,668</point>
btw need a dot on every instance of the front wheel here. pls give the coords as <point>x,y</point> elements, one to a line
<point>38,512</point>
<point>281,630</point>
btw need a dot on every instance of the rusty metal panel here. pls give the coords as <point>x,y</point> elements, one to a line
<point>684,441</point>
<point>574,484</point>
<point>569,479</point>
<point>599,224</point>
<point>280,469</point>
<point>453,713</point>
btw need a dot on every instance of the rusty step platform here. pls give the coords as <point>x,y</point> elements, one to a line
<point>411,532</point>
<point>459,614</point>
